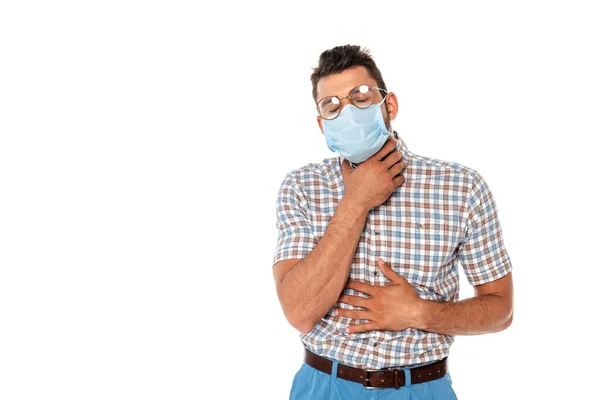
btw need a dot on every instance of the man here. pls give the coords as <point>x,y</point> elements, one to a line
<point>366,264</point>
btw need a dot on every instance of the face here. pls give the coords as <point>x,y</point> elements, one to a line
<point>341,84</point>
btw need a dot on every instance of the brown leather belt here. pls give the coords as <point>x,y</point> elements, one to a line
<point>378,378</point>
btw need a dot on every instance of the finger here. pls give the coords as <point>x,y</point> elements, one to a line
<point>367,326</point>
<point>398,168</point>
<point>399,180</point>
<point>354,300</point>
<point>354,314</point>
<point>395,157</point>
<point>387,148</point>
<point>360,287</point>
<point>387,270</point>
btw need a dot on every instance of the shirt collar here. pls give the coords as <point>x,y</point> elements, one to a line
<point>401,146</point>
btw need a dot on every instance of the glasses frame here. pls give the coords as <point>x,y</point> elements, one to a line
<point>373,88</point>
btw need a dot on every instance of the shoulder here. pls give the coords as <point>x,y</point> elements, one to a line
<point>312,174</point>
<point>450,175</point>
<point>423,167</point>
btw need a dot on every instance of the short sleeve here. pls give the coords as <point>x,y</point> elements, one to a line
<point>482,253</point>
<point>295,239</point>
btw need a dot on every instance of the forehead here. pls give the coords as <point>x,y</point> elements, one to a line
<point>341,83</point>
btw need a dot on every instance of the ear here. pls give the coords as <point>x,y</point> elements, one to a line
<point>392,105</point>
<point>320,122</point>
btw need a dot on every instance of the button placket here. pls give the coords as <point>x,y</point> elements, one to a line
<point>371,247</point>
<point>368,244</point>
<point>379,239</point>
<point>374,251</point>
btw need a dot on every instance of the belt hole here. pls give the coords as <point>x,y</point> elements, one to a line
<point>419,376</point>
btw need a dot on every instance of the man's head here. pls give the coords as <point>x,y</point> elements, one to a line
<point>344,68</point>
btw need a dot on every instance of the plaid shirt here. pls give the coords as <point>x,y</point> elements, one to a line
<point>442,215</point>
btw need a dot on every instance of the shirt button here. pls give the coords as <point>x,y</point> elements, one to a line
<point>376,344</point>
<point>376,273</point>
<point>377,232</point>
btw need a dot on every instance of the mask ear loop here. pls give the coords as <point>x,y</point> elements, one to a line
<point>382,100</point>
<point>388,114</point>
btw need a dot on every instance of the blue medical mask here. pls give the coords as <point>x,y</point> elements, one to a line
<point>357,133</point>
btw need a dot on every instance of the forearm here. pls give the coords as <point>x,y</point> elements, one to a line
<point>312,287</point>
<point>477,315</point>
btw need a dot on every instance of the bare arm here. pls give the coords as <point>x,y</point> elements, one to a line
<point>308,288</point>
<point>489,311</point>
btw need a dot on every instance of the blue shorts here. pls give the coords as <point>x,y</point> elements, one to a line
<point>311,384</point>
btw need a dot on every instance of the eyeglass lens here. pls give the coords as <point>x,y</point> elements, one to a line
<point>361,96</point>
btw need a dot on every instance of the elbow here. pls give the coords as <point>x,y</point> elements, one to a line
<point>506,314</point>
<point>299,319</point>
<point>305,328</point>
<point>506,322</point>
<point>301,324</point>
<point>297,313</point>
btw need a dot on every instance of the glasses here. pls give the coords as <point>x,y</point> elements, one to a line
<point>361,96</point>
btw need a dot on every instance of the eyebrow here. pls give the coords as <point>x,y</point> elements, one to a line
<point>350,92</point>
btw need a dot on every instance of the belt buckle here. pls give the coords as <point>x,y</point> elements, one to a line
<point>367,378</point>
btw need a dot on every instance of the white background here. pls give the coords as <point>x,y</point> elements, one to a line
<point>142,145</point>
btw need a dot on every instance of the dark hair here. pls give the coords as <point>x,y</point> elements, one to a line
<point>340,58</point>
